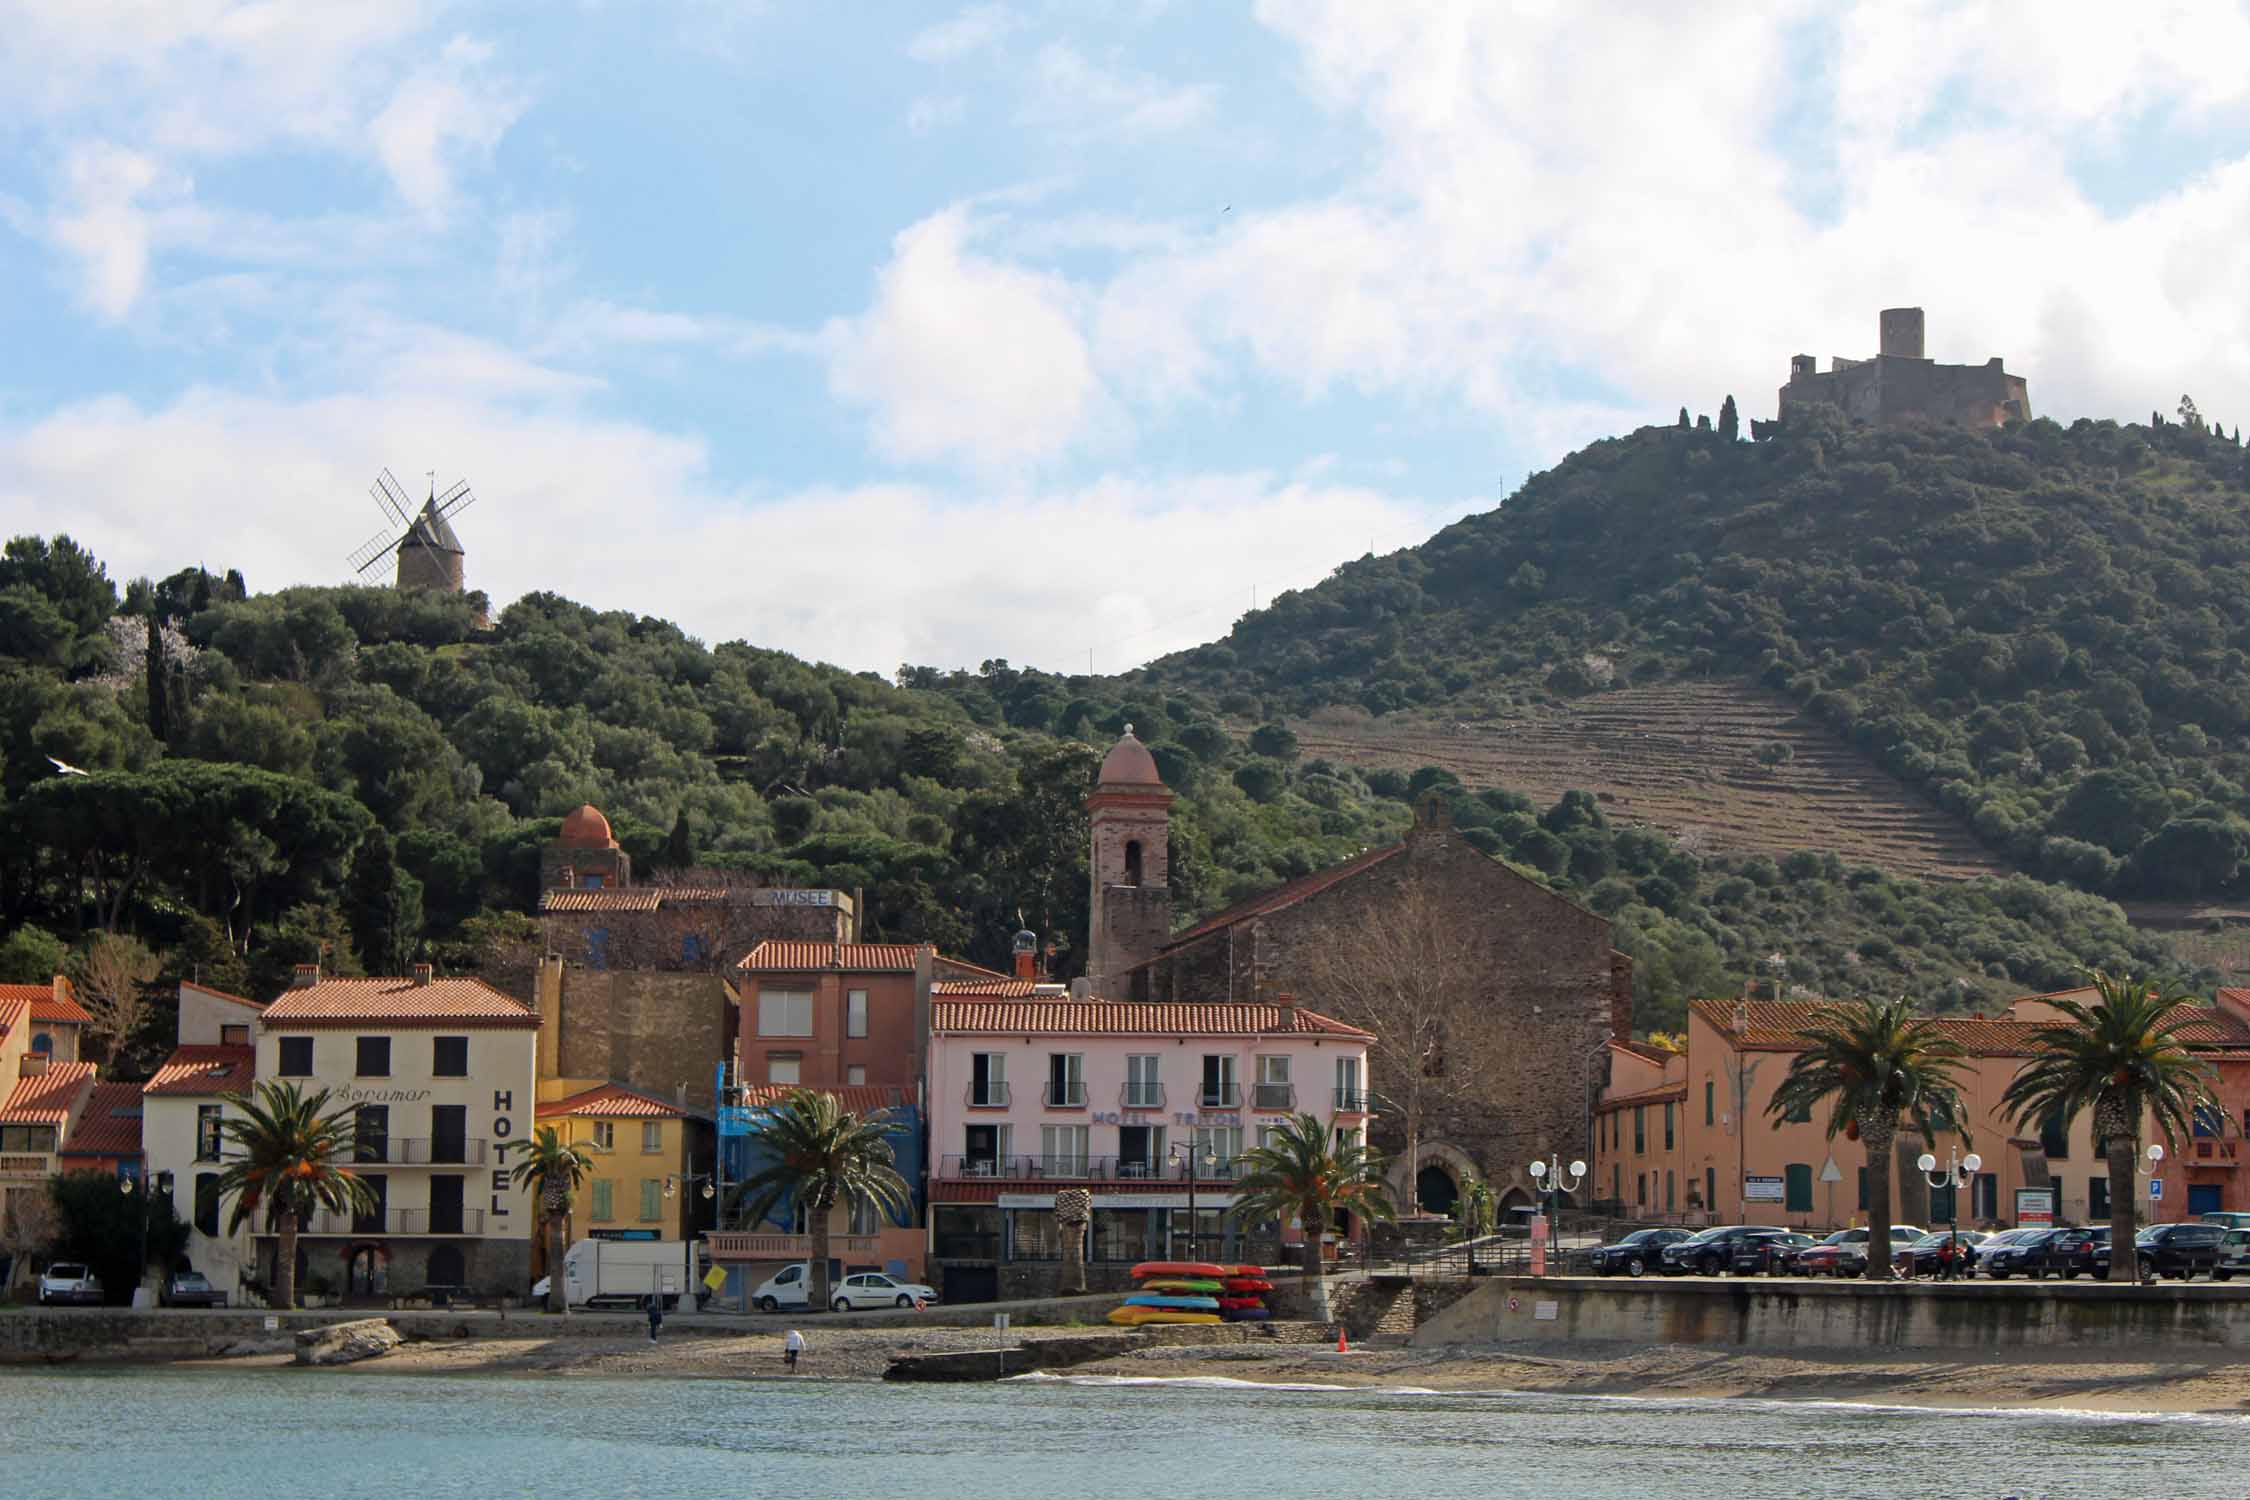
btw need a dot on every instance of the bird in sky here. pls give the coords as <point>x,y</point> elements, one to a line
<point>65,768</point>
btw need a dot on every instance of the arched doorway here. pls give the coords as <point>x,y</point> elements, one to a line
<point>1436,1190</point>
<point>367,1271</point>
<point>446,1267</point>
<point>1435,1180</point>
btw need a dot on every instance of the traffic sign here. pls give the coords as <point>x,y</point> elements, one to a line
<point>1830,1172</point>
<point>2156,1190</point>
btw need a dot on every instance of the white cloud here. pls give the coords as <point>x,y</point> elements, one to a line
<point>972,30</point>
<point>103,222</point>
<point>1067,92</point>
<point>451,110</point>
<point>965,358</point>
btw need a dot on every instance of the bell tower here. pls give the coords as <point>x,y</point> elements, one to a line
<point>1131,822</point>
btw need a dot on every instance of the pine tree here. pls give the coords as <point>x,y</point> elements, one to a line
<point>679,849</point>
<point>159,709</point>
<point>200,600</point>
<point>383,905</point>
<point>1730,424</point>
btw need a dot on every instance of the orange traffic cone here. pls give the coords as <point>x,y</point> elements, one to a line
<point>1343,1340</point>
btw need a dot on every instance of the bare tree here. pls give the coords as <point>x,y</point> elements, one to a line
<point>1410,969</point>
<point>112,978</point>
<point>27,1227</point>
<point>692,921</point>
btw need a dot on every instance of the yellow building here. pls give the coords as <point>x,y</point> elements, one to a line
<point>652,1158</point>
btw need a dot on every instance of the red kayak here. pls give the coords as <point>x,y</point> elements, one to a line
<point>1236,1304</point>
<point>1194,1269</point>
<point>1247,1284</point>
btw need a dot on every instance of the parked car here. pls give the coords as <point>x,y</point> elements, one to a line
<point>1709,1251</point>
<point>1848,1255</point>
<point>1768,1254</point>
<point>190,1289</point>
<point>1939,1253</point>
<point>2069,1252</point>
<point>1636,1254</point>
<point>2234,1256</point>
<point>874,1289</point>
<point>2023,1255</point>
<point>2230,1220</point>
<point>2006,1239</point>
<point>67,1282</point>
<point>2179,1250</point>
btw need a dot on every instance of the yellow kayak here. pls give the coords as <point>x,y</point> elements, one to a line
<point>1135,1317</point>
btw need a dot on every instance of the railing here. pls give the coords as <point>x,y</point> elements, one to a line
<point>41,1166</point>
<point>758,1244</point>
<point>398,1221</point>
<point>1141,1096</point>
<point>1073,1169</point>
<point>1351,1101</point>
<point>963,1245</point>
<point>1064,1095</point>
<point>1219,1096</point>
<point>1273,1096</point>
<point>418,1151</point>
<point>991,1095</point>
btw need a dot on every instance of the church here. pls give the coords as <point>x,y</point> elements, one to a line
<point>1547,992</point>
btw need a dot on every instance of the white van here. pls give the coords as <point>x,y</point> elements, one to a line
<point>625,1273</point>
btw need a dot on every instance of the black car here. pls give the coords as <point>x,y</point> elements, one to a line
<point>190,1289</point>
<point>2025,1255</point>
<point>1712,1251</point>
<point>2180,1250</point>
<point>2072,1252</point>
<point>1940,1253</point>
<point>1768,1254</point>
<point>1636,1254</point>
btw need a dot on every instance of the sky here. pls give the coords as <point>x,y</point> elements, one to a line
<point>1059,333</point>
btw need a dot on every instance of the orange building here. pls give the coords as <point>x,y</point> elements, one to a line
<point>1685,1135</point>
<point>831,1015</point>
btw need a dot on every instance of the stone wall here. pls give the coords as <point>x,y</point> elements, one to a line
<point>655,1031</point>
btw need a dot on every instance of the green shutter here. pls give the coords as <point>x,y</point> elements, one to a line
<point>1798,1187</point>
<point>652,1198</point>
<point>602,1200</point>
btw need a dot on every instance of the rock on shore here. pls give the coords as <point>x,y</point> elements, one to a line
<point>347,1343</point>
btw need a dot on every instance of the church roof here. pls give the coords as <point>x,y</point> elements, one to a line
<point>1267,902</point>
<point>1129,764</point>
<point>584,827</point>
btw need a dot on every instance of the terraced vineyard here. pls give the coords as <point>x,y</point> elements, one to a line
<point>1684,757</point>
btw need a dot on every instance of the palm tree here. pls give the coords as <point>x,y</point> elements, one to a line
<point>1300,1173</point>
<point>823,1155</point>
<point>2122,1058</point>
<point>1074,1210</point>
<point>289,1160</point>
<point>558,1169</point>
<point>1875,1064</point>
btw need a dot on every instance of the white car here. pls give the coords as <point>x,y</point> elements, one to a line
<point>69,1281</point>
<point>874,1289</point>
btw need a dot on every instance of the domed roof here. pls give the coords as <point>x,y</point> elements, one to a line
<point>1129,764</point>
<point>585,828</point>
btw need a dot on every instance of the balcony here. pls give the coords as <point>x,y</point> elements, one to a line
<point>1273,1096</point>
<point>758,1244</point>
<point>1059,1095</point>
<point>1218,1096</point>
<point>991,1094</point>
<point>1075,1169</point>
<point>418,1151</point>
<point>13,1165</point>
<point>1141,1096</point>
<point>1351,1101</point>
<point>398,1221</point>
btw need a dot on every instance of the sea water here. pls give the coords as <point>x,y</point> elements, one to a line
<point>143,1434</point>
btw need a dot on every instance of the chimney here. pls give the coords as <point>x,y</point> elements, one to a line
<point>305,977</point>
<point>421,976</point>
<point>1027,955</point>
<point>1741,1018</point>
<point>1288,1004</point>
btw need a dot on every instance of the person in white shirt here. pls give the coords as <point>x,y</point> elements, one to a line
<point>791,1347</point>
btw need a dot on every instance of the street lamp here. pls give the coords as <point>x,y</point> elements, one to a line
<point>125,1185</point>
<point>1952,1177</point>
<point>1181,1151</point>
<point>1556,1188</point>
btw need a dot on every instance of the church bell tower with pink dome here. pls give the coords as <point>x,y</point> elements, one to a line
<point>1131,815</point>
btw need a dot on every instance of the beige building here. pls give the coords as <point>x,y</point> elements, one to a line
<point>44,1090</point>
<point>181,1108</point>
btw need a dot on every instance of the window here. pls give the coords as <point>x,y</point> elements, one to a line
<point>1274,1090</point>
<point>1944,1205</point>
<point>1798,1114</point>
<point>449,1133</point>
<point>449,1057</point>
<point>652,1199</point>
<point>1640,1129</point>
<point>605,1135</point>
<point>855,1073</point>
<point>2210,1122</point>
<point>855,1013</point>
<point>234,1036</point>
<point>1667,1124</point>
<point>1219,1091</point>
<point>1710,1102</point>
<point>1797,1188</point>
<point>2054,1137</point>
<point>2097,1197</point>
<point>1616,1182</point>
<point>1640,1188</point>
<point>207,1204</point>
<point>371,1133</point>
<point>296,1057</point>
<point>1144,1087</point>
<point>374,1218</point>
<point>1985,1202</point>
<point>597,944</point>
<point>1711,1187</point>
<point>652,1137</point>
<point>39,1138</point>
<point>1671,1192</point>
<point>604,1206</point>
<point>447,1215</point>
<point>593,880</point>
<point>784,1067</point>
<point>207,1132</point>
<point>1121,1234</point>
<point>988,1080</point>
<point>1223,1142</point>
<point>1062,1150</point>
<point>1066,1080</point>
<point>374,1057</point>
<point>42,1043</point>
<point>785,1013</point>
<point>1140,1150</point>
<point>1351,1089</point>
<point>1132,861</point>
<point>693,950</point>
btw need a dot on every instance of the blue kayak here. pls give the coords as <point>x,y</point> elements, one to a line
<point>1173,1304</point>
<point>1244,1314</point>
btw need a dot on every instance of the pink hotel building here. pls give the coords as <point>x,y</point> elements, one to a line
<point>1149,1106</point>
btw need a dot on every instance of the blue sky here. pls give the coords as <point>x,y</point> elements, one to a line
<point>932,333</point>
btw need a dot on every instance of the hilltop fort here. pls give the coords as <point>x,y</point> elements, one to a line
<point>1902,387</point>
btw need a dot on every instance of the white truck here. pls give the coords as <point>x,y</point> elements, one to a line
<point>624,1273</point>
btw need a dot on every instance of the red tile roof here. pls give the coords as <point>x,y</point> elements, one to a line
<point>46,1098</point>
<point>110,1125</point>
<point>1013,989</point>
<point>398,1002</point>
<point>1129,1018</point>
<point>1778,1025</point>
<point>613,1100</point>
<point>44,1005</point>
<point>204,989</point>
<point>600,899</point>
<point>11,1012</point>
<point>791,956</point>
<point>1645,1096</point>
<point>205,1072</point>
<point>1646,1050</point>
<point>859,1098</point>
<point>1284,895</point>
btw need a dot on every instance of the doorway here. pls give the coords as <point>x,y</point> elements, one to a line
<point>1438,1193</point>
<point>2204,1198</point>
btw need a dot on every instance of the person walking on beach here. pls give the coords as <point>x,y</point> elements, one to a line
<point>655,1316</point>
<point>791,1347</point>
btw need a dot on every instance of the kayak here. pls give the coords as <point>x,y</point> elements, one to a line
<point>1175,1304</point>
<point>1181,1284</point>
<point>1138,1317</point>
<point>1195,1268</point>
<point>1236,1304</point>
<point>1245,1315</point>
<point>1246,1284</point>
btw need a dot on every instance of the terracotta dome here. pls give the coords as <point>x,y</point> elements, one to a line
<point>586,828</point>
<point>1129,764</point>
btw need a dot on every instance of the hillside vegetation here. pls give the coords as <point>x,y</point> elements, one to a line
<point>2045,628</point>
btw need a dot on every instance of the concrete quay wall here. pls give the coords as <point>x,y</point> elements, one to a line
<point>1755,1314</point>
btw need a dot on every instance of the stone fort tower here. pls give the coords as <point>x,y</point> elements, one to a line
<point>1131,909</point>
<point>1902,387</point>
<point>430,555</point>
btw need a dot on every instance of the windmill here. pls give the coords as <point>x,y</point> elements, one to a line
<point>429,554</point>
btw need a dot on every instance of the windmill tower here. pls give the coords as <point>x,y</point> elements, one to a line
<point>429,553</point>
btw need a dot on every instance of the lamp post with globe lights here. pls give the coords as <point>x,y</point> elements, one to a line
<point>1958,1169</point>
<point>1552,1182</point>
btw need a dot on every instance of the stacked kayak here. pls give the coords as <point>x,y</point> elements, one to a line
<point>1173,1291</point>
<point>1242,1295</point>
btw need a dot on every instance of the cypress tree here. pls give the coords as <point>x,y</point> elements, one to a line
<point>383,905</point>
<point>679,849</point>
<point>1683,417</point>
<point>159,707</point>
<point>1730,424</point>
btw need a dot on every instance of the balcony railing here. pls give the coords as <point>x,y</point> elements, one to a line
<point>989,1095</point>
<point>398,1221</point>
<point>746,1244</point>
<point>1351,1101</point>
<point>1141,1096</point>
<point>418,1151</point>
<point>1079,1169</point>
<point>1070,1095</point>
<point>30,1166</point>
<point>1219,1096</point>
<point>1273,1096</point>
